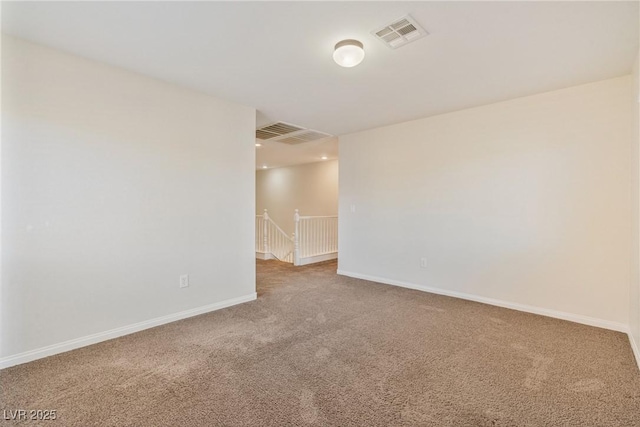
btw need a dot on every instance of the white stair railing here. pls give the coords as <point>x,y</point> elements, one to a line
<point>271,240</point>
<point>315,238</point>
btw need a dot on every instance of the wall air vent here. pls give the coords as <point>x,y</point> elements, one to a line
<point>289,134</point>
<point>400,32</point>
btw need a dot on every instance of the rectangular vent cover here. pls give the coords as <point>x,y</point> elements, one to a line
<point>263,134</point>
<point>400,32</point>
<point>281,128</point>
<point>289,134</point>
<point>275,130</point>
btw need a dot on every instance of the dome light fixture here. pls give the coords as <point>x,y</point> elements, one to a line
<point>348,53</point>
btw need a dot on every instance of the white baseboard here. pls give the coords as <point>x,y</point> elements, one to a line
<point>635,348</point>
<point>62,347</point>
<point>264,256</point>
<point>578,318</point>
<point>318,258</point>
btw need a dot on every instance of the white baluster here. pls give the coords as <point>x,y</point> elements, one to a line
<point>301,239</point>
<point>305,238</point>
<point>265,231</point>
<point>325,235</point>
<point>334,235</point>
<point>296,238</point>
<point>316,236</point>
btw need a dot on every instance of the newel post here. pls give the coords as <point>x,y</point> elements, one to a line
<point>265,231</point>
<point>296,239</point>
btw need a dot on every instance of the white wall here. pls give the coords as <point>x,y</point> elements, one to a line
<point>525,202</point>
<point>634,295</point>
<point>312,188</point>
<point>113,185</point>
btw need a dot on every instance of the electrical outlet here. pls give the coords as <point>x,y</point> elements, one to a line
<point>423,263</point>
<point>184,280</point>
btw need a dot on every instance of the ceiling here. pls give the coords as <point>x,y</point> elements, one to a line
<point>275,154</point>
<point>276,56</point>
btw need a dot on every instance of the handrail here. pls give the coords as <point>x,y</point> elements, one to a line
<point>315,238</point>
<point>271,239</point>
<point>280,229</point>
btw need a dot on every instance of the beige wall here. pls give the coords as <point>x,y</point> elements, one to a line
<point>113,185</point>
<point>524,202</point>
<point>312,188</point>
<point>634,294</point>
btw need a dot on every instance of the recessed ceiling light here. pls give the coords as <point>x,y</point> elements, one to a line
<point>258,144</point>
<point>324,157</point>
<point>264,166</point>
<point>348,53</point>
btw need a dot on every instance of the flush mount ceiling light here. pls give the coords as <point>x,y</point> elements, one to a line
<point>348,53</point>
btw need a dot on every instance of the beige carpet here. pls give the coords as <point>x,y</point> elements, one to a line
<point>319,349</point>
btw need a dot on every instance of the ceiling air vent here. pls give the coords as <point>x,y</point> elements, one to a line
<point>400,32</point>
<point>289,134</point>
<point>275,130</point>
<point>304,136</point>
<point>261,134</point>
